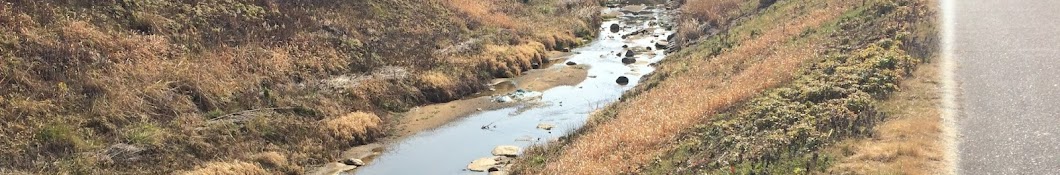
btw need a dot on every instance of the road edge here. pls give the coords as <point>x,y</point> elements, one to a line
<point>949,88</point>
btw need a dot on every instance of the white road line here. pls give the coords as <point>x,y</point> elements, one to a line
<point>949,88</point>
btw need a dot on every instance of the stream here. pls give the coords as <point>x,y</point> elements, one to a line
<point>448,149</point>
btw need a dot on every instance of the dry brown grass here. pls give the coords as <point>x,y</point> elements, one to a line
<point>270,159</point>
<point>231,167</point>
<point>511,61</point>
<point>644,125</point>
<point>240,77</point>
<point>484,12</point>
<point>276,162</point>
<point>437,79</point>
<point>698,16</point>
<point>353,125</point>
<point>714,12</point>
<point>909,141</point>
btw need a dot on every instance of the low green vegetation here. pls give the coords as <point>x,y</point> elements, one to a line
<point>62,138</point>
<point>859,57</point>
<point>781,131</point>
<point>787,129</point>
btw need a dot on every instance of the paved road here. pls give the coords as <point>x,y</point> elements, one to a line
<point>1007,55</point>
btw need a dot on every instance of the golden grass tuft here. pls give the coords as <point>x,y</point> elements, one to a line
<point>510,61</point>
<point>270,159</point>
<point>484,12</point>
<point>353,125</point>
<point>230,167</point>
<point>714,12</point>
<point>276,162</point>
<point>437,79</point>
<point>697,16</point>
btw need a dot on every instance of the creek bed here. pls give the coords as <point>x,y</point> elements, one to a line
<point>449,149</point>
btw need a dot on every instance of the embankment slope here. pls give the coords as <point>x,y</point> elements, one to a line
<point>150,86</point>
<point>760,87</point>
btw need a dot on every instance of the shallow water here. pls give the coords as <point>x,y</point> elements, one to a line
<point>448,149</point>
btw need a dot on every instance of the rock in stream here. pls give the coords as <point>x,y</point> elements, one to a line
<point>506,150</point>
<point>622,80</point>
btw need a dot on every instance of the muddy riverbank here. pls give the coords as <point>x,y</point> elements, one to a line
<point>432,116</point>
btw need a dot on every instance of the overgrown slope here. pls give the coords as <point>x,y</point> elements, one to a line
<point>762,87</point>
<point>835,98</point>
<point>152,86</point>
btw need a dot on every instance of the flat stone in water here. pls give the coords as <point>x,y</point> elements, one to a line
<point>353,161</point>
<point>506,150</point>
<point>545,126</point>
<point>485,163</point>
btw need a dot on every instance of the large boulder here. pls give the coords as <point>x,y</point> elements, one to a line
<point>506,150</point>
<point>629,53</point>
<point>622,80</point>
<point>485,163</point>
<point>615,28</point>
<point>629,60</point>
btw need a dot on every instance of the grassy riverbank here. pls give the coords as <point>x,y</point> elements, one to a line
<point>764,86</point>
<point>149,86</point>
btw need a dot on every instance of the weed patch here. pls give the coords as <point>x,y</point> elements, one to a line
<point>789,130</point>
<point>144,133</point>
<point>61,139</point>
<point>785,126</point>
<point>850,57</point>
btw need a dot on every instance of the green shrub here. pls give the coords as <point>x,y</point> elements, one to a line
<point>836,100</point>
